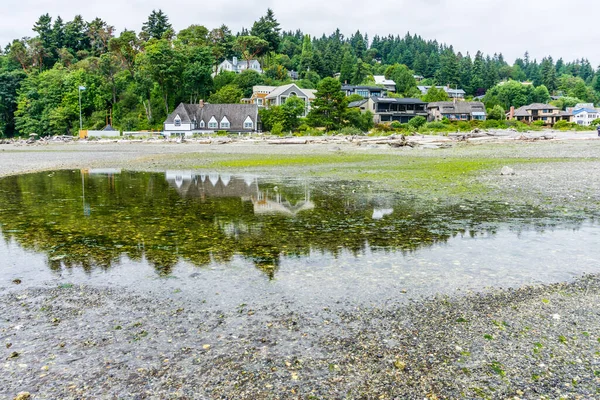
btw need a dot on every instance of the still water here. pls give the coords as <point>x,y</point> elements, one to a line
<point>248,236</point>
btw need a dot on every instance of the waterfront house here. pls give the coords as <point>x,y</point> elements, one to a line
<point>456,110</point>
<point>386,109</point>
<point>547,113</point>
<point>189,119</point>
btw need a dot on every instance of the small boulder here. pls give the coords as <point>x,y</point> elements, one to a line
<point>507,171</point>
<point>23,396</point>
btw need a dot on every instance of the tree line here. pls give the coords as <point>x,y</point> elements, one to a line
<point>134,79</point>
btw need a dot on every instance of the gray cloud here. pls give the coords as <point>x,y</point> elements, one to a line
<point>511,27</point>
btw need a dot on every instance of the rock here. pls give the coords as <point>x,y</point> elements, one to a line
<point>507,171</point>
<point>23,396</point>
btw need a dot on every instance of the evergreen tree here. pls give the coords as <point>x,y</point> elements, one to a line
<point>267,28</point>
<point>347,67</point>
<point>156,26</point>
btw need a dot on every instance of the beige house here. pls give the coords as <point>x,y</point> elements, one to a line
<point>456,110</point>
<point>547,113</point>
<point>267,96</point>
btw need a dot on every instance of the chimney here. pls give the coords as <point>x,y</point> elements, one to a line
<point>201,103</point>
<point>511,114</point>
<point>234,61</point>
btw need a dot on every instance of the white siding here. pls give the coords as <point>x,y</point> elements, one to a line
<point>183,127</point>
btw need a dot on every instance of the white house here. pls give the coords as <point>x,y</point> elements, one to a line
<point>388,84</point>
<point>585,116</point>
<point>237,66</point>
<point>190,119</point>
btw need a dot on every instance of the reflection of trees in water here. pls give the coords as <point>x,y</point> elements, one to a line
<point>204,218</point>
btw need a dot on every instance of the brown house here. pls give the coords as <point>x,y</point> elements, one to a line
<point>538,112</point>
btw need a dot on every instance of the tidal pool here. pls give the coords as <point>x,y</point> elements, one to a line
<point>228,239</point>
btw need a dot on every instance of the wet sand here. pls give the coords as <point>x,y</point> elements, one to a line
<point>91,341</point>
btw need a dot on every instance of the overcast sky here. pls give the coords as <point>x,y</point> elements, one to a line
<point>567,29</point>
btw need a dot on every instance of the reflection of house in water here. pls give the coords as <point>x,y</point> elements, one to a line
<point>379,213</point>
<point>201,185</point>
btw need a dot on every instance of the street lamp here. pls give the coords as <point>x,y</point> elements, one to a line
<point>80,120</point>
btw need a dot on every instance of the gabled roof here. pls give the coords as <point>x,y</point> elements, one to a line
<point>235,113</point>
<point>587,110</point>
<point>541,106</point>
<point>279,90</point>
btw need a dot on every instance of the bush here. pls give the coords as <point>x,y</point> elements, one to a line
<point>539,123</point>
<point>436,126</point>
<point>277,128</point>
<point>303,128</point>
<point>562,125</point>
<point>464,126</point>
<point>596,122</point>
<point>383,127</point>
<point>221,133</point>
<point>417,122</point>
<point>396,125</point>
<point>350,130</point>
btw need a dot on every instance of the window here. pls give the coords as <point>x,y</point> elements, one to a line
<point>177,121</point>
<point>201,124</point>
<point>212,124</point>
<point>225,123</point>
<point>248,123</point>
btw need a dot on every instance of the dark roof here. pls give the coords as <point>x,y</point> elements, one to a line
<point>357,103</point>
<point>407,100</point>
<point>352,87</point>
<point>459,107</point>
<point>109,128</point>
<point>236,113</point>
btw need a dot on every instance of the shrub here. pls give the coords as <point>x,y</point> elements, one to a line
<point>277,128</point>
<point>562,125</point>
<point>221,133</point>
<point>417,122</point>
<point>435,126</point>
<point>303,128</point>
<point>464,126</point>
<point>396,125</point>
<point>596,122</point>
<point>350,130</point>
<point>539,123</point>
<point>382,127</point>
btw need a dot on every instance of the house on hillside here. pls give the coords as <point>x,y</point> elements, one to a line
<point>547,113</point>
<point>234,65</point>
<point>202,118</point>
<point>387,109</point>
<point>267,96</point>
<point>365,91</point>
<point>456,93</point>
<point>456,110</point>
<point>387,84</point>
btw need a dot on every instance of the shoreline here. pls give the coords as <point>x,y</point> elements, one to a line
<point>90,341</point>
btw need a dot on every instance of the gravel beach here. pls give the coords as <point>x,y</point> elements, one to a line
<point>88,341</point>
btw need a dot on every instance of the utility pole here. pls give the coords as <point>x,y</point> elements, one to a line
<point>80,120</point>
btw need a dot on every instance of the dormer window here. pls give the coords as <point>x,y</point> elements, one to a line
<point>201,124</point>
<point>225,123</point>
<point>248,123</point>
<point>213,124</point>
<point>177,121</point>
